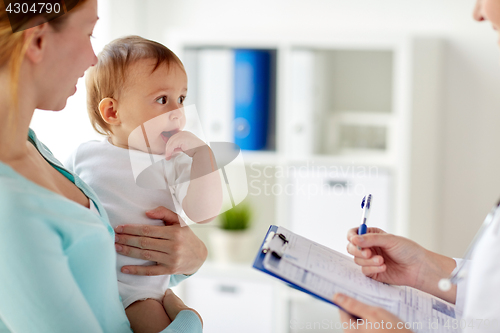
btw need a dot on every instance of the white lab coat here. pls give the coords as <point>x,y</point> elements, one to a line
<point>479,294</point>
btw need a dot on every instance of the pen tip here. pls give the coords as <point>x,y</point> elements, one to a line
<point>363,202</point>
<point>369,201</point>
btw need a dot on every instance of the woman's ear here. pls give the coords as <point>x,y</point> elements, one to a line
<point>108,108</point>
<point>37,41</point>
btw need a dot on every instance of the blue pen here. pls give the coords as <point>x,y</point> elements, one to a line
<point>366,206</point>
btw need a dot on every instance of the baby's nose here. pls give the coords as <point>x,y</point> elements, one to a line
<point>175,114</point>
<point>477,13</point>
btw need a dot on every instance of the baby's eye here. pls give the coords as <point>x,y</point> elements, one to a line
<point>181,99</point>
<point>162,100</point>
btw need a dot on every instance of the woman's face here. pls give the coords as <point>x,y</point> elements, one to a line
<point>68,55</point>
<point>488,10</point>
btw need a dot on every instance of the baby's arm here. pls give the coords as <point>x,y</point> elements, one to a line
<point>147,316</point>
<point>203,198</point>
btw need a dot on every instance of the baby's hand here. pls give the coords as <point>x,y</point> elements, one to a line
<point>183,141</point>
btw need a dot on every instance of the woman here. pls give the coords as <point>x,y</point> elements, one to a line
<point>57,257</point>
<point>396,260</point>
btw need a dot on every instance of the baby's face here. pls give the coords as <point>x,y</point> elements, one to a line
<point>154,100</point>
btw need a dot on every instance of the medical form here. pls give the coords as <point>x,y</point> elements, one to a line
<point>323,272</point>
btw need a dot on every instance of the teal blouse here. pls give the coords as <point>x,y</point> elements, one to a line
<point>57,261</point>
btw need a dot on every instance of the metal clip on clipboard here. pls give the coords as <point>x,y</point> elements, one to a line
<point>276,244</point>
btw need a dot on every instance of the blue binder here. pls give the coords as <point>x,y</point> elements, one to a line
<point>252,76</point>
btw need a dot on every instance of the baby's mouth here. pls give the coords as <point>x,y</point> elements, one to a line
<point>165,135</point>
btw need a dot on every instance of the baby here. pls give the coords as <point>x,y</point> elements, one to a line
<point>135,97</point>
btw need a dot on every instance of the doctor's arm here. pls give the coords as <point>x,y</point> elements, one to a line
<point>397,260</point>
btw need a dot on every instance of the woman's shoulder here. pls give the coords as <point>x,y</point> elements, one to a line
<point>24,201</point>
<point>29,210</point>
<point>17,195</point>
<point>22,210</point>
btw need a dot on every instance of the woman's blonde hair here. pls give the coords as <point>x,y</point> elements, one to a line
<point>108,76</point>
<point>13,46</point>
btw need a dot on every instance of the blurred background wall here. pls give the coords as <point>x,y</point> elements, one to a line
<point>471,101</point>
<point>470,160</point>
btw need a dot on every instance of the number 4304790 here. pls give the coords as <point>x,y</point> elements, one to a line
<point>37,8</point>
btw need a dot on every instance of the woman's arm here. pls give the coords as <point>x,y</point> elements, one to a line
<point>186,322</point>
<point>179,313</point>
<point>38,292</point>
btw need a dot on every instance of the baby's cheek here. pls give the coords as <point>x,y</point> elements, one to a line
<point>158,146</point>
<point>492,11</point>
<point>183,122</point>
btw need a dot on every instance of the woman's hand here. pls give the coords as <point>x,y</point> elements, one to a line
<point>371,319</point>
<point>176,249</point>
<point>397,260</point>
<point>173,305</point>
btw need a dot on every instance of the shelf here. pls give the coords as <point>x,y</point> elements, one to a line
<point>263,157</point>
<point>234,91</point>
<point>339,98</point>
<point>356,79</point>
<point>368,158</point>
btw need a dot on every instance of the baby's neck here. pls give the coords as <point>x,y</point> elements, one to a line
<point>117,142</point>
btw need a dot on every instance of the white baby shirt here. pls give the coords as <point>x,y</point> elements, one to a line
<point>129,183</point>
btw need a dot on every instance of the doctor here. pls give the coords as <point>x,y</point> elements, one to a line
<point>399,261</point>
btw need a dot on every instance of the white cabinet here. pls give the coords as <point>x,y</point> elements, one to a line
<point>232,299</point>
<point>326,201</point>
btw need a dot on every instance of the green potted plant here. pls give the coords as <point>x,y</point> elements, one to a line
<point>237,218</point>
<point>232,240</point>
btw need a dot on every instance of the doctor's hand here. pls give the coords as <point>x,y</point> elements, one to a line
<point>397,260</point>
<point>371,319</point>
<point>176,249</point>
<point>387,258</point>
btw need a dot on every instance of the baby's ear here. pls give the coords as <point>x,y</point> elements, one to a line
<point>109,112</point>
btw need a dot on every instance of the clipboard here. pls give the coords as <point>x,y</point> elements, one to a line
<point>267,247</point>
<point>321,272</point>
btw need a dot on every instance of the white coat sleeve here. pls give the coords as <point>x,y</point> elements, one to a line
<point>482,295</point>
<point>461,291</point>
